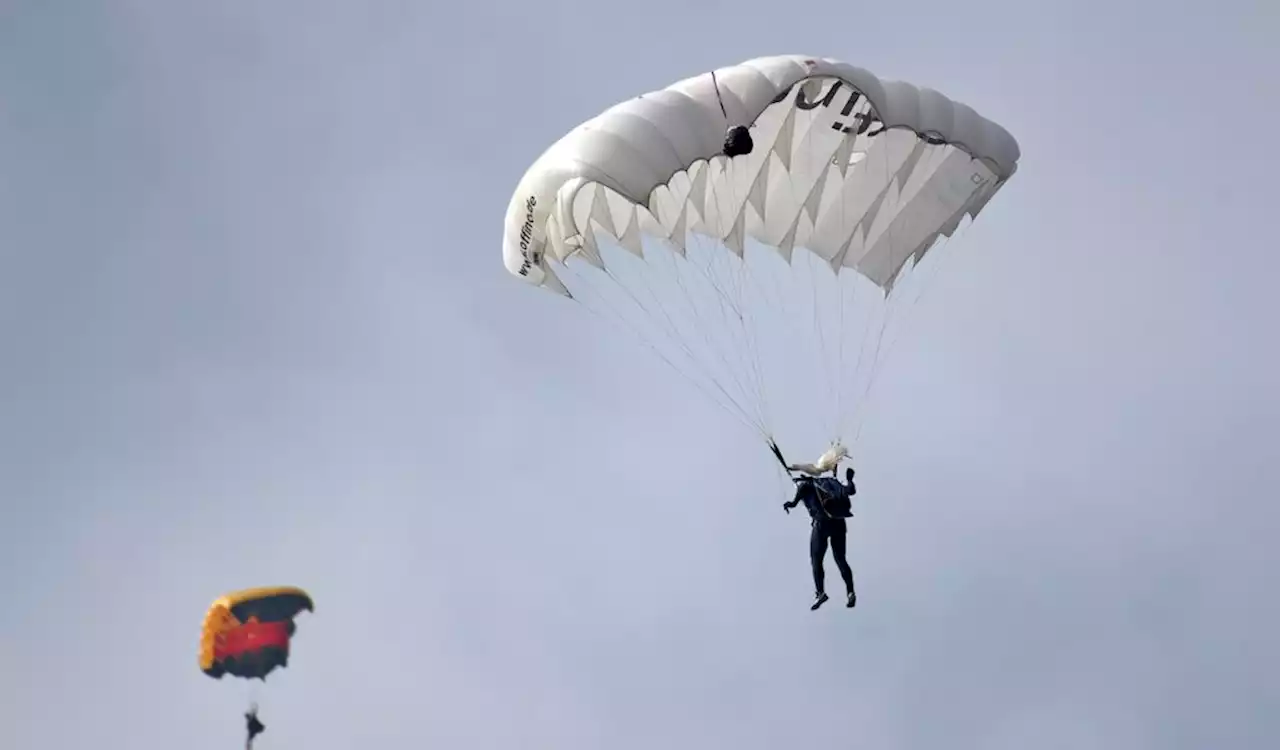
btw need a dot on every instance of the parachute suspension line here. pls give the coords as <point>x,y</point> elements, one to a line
<point>640,337</point>
<point>731,314</point>
<point>732,371</point>
<point>674,330</point>
<point>253,693</point>
<point>834,325</point>
<point>687,298</point>
<point>825,365</point>
<point>831,377</point>
<point>748,280</point>
<point>927,275</point>
<point>901,313</point>
<point>862,351</point>
<point>840,303</point>
<point>707,338</point>
<point>840,379</point>
<point>843,335</point>
<point>732,408</point>
<point>847,383</point>
<point>847,378</point>
<point>748,274</point>
<point>678,337</point>
<point>671,330</point>
<point>877,364</point>
<point>832,359</point>
<point>742,268</point>
<point>728,278</point>
<point>778,310</point>
<point>888,311</point>
<point>744,280</point>
<point>886,314</point>
<point>839,376</point>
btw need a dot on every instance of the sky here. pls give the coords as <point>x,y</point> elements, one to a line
<point>255,330</point>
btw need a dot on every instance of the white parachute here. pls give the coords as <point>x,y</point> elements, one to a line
<point>768,278</point>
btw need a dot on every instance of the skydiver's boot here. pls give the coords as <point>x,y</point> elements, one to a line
<point>852,600</point>
<point>819,599</point>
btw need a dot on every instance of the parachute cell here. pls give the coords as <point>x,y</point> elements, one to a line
<point>247,633</point>
<point>681,203</point>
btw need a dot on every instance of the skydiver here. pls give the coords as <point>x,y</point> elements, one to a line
<point>828,508</point>
<point>253,727</point>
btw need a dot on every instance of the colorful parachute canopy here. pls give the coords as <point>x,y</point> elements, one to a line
<point>863,173</point>
<point>246,633</point>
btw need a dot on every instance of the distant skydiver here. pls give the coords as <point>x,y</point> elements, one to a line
<point>253,727</point>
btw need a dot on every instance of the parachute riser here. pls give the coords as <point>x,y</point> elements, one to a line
<point>777,453</point>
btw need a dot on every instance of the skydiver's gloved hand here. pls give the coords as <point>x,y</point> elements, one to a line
<point>848,474</point>
<point>787,508</point>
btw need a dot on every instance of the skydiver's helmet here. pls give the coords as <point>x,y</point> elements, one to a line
<point>737,141</point>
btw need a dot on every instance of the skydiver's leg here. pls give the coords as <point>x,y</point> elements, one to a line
<point>817,551</point>
<point>839,532</point>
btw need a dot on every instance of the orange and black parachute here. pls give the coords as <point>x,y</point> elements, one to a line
<point>246,633</point>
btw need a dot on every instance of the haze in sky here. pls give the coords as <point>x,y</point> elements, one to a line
<point>255,330</point>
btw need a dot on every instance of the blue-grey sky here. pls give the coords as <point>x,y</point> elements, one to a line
<point>255,329</point>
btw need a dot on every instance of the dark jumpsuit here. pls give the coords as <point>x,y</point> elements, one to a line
<point>825,530</point>
<point>253,728</point>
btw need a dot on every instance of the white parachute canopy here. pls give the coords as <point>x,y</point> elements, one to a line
<point>768,278</point>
